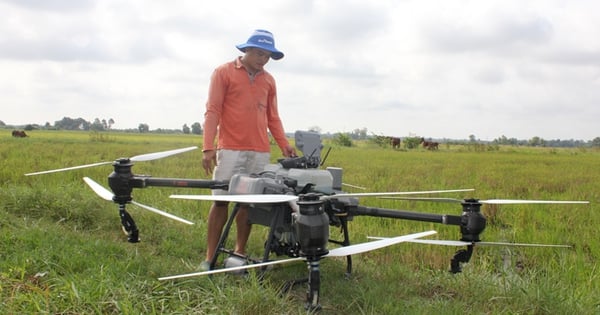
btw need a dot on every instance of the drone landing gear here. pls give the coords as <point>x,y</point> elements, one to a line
<point>273,221</point>
<point>314,284</point>
<point>221,245</point>
<point>129,226</point>
<point>343,220</point>
<point>461,256</point>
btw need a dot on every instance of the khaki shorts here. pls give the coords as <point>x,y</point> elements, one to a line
<point>230,162</point>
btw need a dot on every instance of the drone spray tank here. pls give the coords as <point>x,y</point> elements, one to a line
<point>312,226</point>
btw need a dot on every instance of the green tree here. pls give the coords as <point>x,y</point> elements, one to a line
<point>98,125</point>
<point>68,123</point>
<point>536,141</point>
<point>197,128</point>
<point>143,128</point>
<point>359,133</point>
<point>186,129</point>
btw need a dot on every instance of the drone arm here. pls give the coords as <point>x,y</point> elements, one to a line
<point>405,215</point>
<point>145,181</point>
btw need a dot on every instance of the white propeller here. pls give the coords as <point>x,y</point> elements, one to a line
<point>491,201</point>
<point>337,252</point>
<point>511,201</point>
<point>276,198</point>
<point>137,158</point>
<point>238,268</point>
<point>463,243</point>
<point>369,246</point>
<point>107,195</point>
<point>377,194</point>
<point>250,198</point>
<point>160,155</point>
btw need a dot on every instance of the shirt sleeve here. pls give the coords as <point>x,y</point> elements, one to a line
<point>274,121</point>
<point>214,108</point>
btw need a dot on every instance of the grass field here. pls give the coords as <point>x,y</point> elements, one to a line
<point>62,250</point>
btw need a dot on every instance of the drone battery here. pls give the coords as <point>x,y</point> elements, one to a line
<point>319,180</point>
<point>246,184</point>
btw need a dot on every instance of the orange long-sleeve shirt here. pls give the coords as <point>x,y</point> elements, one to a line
<point>241,111</point>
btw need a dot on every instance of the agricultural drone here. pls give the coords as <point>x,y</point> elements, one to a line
<point>298,202</point>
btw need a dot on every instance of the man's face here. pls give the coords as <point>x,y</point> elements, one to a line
<point>256,58</point>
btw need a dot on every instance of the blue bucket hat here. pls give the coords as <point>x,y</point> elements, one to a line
<point>264,40</point>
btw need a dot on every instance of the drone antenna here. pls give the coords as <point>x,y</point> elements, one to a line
<point>326,155</point>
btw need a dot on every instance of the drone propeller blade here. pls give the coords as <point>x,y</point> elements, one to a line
<point>68,168</point>
<point>107,195</point>
<point>490,201</point>
<point>160,155</point>
<point>509,201</point>
<point>354,186</point>
<point>452,200</point>
<point>369,246</point>
<point>222,270</point>
<point>521,244</point>
<point>250,198</point>
<point>443,242</point>
<point>463,243</point>
<point>377,194</point>
<point>337,252</point>
<point>99,189</point>
<point>137,158</point>
<point>275,198</point>
<point>164,214</point>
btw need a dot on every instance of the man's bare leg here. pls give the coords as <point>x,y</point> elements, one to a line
<point>243,230</point>
<point>217,216</point>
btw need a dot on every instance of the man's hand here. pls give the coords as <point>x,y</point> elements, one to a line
<point>209,161</point>
<point>289,151</point>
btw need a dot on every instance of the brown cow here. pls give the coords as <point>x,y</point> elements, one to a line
<point>429,144</point>
<point>395,142</point>
<point>19,134</point>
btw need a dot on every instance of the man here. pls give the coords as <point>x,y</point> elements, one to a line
<point>241,107</point>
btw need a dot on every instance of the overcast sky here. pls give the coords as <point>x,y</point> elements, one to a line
<point>437,69</point>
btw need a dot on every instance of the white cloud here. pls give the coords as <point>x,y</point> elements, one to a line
<point>439,69</point>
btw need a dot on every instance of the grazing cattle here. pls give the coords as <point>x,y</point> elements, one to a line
<point>429,144</point>
<point>395,142</point>
<point>19,134</point>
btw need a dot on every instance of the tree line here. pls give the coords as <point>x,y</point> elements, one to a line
<point>346,139</point>
<point>68,123</point>
<point>341,138</point>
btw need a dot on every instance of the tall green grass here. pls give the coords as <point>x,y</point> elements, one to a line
<point>62,250</point>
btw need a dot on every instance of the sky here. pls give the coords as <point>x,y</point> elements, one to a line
<point>436,69</point>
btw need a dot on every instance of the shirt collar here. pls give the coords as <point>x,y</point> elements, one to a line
<point>239,65</point>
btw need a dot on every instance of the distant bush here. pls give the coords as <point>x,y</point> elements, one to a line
<point>342,139</point>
